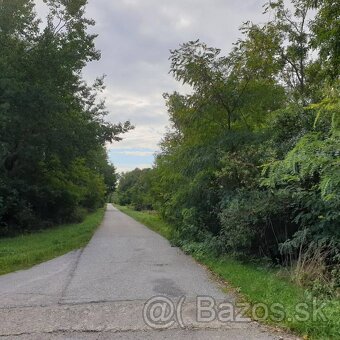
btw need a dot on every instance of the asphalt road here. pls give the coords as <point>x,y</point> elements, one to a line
<point>104,292</point>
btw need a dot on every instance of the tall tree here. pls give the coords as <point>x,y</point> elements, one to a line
<point>51,120</point>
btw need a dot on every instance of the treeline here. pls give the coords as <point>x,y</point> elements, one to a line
<point>251,166</point>
<point>52,129</point>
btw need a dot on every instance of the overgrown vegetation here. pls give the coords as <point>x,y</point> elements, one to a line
<point>257,284</point>
<point>250,165</point>
<point>24,251</point>
<point>53,165</point>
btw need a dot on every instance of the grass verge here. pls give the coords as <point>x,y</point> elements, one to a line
<point>24,251</point>
<point>289,306</point>
<point>150,218</point>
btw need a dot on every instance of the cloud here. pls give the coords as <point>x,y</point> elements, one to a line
<point>135,37</point>
<point>129,159</point>
<point>135,153</point>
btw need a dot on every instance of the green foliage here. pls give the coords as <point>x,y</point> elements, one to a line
<point>53,128</point>
<point>326,36</point>
<point>310,174</point>
<point>252,224</point>
<point>134,189</point>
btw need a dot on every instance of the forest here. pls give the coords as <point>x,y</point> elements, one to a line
<point>250,165</point>
<point>54,166</point>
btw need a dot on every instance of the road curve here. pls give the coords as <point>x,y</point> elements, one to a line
<point>104,292</point>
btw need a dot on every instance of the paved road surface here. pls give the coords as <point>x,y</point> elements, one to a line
<point>101,292</point>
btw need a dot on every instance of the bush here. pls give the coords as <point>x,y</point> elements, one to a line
<point>78,215</point>
<point>254,223</point>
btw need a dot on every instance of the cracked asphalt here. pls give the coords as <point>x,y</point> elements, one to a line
<point>100,292</point>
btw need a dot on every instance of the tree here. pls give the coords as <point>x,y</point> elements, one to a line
<point>326,38</point>
<point>135,189</point>
<point>293,49</point>
<point>51,120</point>
<point>223,86</point>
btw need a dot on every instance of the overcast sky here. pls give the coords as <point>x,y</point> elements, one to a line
<point>135,37</point>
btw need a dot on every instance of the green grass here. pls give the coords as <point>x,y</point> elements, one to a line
<point>150,218</point>
<point>24,251</point>
<point>256,284</point>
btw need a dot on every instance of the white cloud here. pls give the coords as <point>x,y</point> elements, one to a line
<point>142,137</point>
<point>126,168</point>
<point>135,37</point>
<point>135,153</point>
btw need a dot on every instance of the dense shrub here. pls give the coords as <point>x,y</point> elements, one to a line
<point>254,223</point>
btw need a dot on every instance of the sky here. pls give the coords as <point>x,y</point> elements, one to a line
<point>135,37</point>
